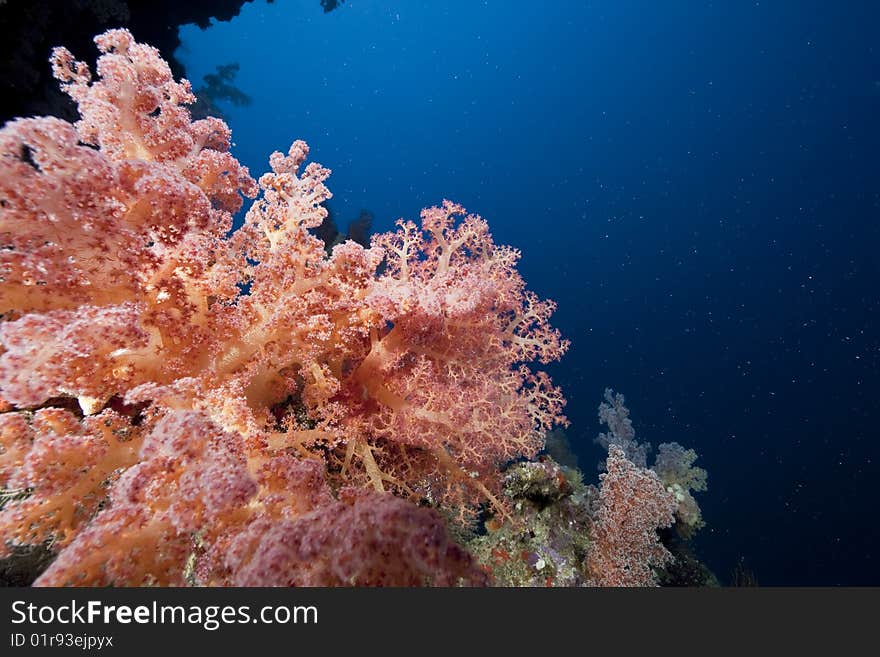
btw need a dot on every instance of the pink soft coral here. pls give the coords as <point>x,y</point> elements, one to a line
<point>213,412</point>
<point>633,504</point>
<point>364,539</point>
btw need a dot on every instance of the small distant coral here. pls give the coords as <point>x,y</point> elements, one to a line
<point>673,464</point>
<point>633,530</point>
<point>675,467</point>
<point>615,415</point>
<point>625,549</point>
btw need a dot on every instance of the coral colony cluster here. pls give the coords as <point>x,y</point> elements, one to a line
<point>187,404</point>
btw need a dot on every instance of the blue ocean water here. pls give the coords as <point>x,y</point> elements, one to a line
<point>695,183</point>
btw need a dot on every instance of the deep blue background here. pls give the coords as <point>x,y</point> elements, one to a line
<point>696,184</point>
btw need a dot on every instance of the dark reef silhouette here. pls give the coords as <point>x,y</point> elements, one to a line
<point>31,28</point>
<point>216,87</point>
